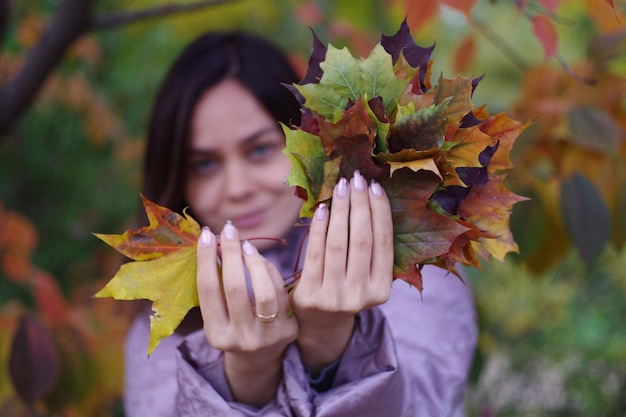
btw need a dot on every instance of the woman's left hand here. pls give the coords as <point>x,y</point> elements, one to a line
<point>347,269</point>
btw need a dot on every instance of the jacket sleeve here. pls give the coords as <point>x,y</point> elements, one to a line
<point>203,389</point>
<point>367,381</point>
<point>435,335</point>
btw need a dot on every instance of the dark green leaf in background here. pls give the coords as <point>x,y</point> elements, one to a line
<point>595,129</point>
<point>587,218</point>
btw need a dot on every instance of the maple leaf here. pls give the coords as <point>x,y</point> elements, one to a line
<point>435,153</point>
<point>306,153</point>
<point>417,56</point>
<point>164,270</point>
<point>506,130</point>
<point>422,235</point>
<point>346,79</point>
<point>488,207</point>
<point>420,130</point>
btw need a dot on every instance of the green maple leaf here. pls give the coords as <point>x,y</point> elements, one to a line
<point>319,160</point>
<point>306,154</point>
<point>346,79</point>
<point>164,270</point>
<point>419,129</point>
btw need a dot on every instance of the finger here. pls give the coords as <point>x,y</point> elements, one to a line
<point>234,277</point>
<point>360,241</point>
<point>211,297</point>
<point>265,300</point>
<point>337,236</point>
<point>282,295</point>
<point>382,228</point>
<point>313,267</point>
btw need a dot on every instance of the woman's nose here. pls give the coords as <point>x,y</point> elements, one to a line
<point>238,181</point>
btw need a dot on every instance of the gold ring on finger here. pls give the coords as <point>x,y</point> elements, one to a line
<point>266,319</point>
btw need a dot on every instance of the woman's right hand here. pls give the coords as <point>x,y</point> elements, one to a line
<point>253,346</point>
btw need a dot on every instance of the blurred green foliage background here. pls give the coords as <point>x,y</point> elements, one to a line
<point>553,340</point>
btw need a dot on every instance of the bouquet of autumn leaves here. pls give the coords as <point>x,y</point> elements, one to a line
<point>439,158</point>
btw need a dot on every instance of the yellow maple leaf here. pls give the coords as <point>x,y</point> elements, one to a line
<point>163,271</point>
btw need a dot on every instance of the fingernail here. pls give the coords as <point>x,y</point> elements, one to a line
<point>359,182</point>
<point>377,189</point>
<point>342,188</point>
<point>206,237</point>
<point>248,248</point>
<point>229,230</point>
<point>321,212</point>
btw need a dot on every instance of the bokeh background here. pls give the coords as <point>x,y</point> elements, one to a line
<point>552,332</point>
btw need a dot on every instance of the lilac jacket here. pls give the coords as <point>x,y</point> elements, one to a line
<point>409,357</point>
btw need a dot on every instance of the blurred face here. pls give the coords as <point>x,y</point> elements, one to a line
<point>236,168</point>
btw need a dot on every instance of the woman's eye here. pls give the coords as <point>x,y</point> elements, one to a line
<point>202,166</point>
<point>260,151</point>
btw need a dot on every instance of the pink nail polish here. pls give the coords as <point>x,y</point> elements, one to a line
<point>377,189</point>
<point>359,181</point>
<point>229,230</point>
<point>206,237</point>
<point>321,212</point>
<point>248,248</point>
<point>342,188</point>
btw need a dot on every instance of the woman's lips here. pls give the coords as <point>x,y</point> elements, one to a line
<point>249,220</point>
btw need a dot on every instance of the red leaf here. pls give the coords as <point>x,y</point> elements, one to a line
<point>309,14</point>
<point>18,238</point>
<point>354,122</point>
<point>49,298</point>
<point>34,361</point>
<point>16,266</point>
<point>546,33</point>
<point>420,11</point>
<point>465,53</point>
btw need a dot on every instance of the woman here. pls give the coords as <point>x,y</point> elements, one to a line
<point>346,341</point>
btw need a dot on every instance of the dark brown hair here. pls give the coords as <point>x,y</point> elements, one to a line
<point>252,61</point>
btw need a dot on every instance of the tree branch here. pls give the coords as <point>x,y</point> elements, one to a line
<point>73,19</point>
<point>16,95</point>
<point>500,43</point>
<point>123,18</point>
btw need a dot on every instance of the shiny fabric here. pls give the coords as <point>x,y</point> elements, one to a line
<point>408,358</point>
